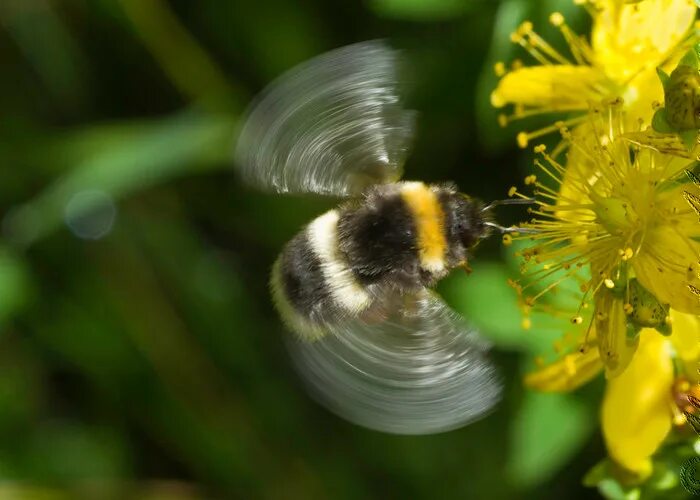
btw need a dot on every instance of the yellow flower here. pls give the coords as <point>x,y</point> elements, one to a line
<point>621,230</point>
<point>628,41</point>
<point>636,414</point>
<point>644,402</point>
<point>641,406</point>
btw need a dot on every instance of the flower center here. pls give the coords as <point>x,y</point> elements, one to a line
<point>615,214</point>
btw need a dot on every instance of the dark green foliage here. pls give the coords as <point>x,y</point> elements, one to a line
<point>144,359</point>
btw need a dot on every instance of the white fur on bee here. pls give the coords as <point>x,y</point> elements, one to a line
<point>344,288</point>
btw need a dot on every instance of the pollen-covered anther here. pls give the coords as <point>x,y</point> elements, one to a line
<point>499,68</point>
<point>522,138</point>
<point>609,283</point>
<point>530,179</point>
<point>525,28</point>
<point>626,253</point>
<point>628,308</point>
<point>601,315</point>
<point>679,419</point>
<point>556,18</point>
<point>507,240</point>
<point>577,320</point>
<point>526,324</point>
<point>512,191</point>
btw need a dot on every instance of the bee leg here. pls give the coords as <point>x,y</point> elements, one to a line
<point>465,265</point>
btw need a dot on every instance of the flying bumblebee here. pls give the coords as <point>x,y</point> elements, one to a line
<point>373,342</point>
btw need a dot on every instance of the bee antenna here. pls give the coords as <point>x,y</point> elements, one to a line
<point>511,229</point>
<point>509,201</point>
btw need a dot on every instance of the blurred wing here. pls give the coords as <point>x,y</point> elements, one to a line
<point>332,125</point>
<point>421,370</point>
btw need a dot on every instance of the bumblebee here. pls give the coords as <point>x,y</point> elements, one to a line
<point>373,342</point>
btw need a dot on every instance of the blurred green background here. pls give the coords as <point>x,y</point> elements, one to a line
<point>139,353</point>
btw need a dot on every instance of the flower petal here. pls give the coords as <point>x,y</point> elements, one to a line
<point>616,348</point>
<point>686,340</point>
<point>666,266</point>
<point>555,87</point>
<point>629,38</point>
<point>636,414</point>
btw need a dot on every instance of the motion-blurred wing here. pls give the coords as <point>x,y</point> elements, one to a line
<point>332,125</point>
<point>420,370</point>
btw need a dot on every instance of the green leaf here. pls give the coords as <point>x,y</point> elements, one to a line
<point>612,490</point>
<point>663,76</point>
<point>422,10</point>
<point>691,58</point>
<point>689,138</point>
<point>660,123</point>
<point>547,431</point>
<point>55,56</point>
<point>126,163</point>
<point>491,134</point>
<point>485,299</point>
<point>76,452</point>
<point>14,284</point>
<point>596,474</point>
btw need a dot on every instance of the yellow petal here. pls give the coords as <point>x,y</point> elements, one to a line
<point>555,87</point>
<point>636,414</point>
<point>666,266</point>
<point>579,168</point>
<point>686,340</point>
<point>567,373</point>
<point>636,36</point>
<point>616,349</point>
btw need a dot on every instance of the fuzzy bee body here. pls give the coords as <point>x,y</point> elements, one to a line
<point>373,342</point>
<point>399,237</point>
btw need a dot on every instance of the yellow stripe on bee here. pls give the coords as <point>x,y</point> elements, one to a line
<point>430,221</point>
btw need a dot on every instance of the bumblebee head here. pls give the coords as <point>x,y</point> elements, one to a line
<point>471,223</point>
<point>488,221</point>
